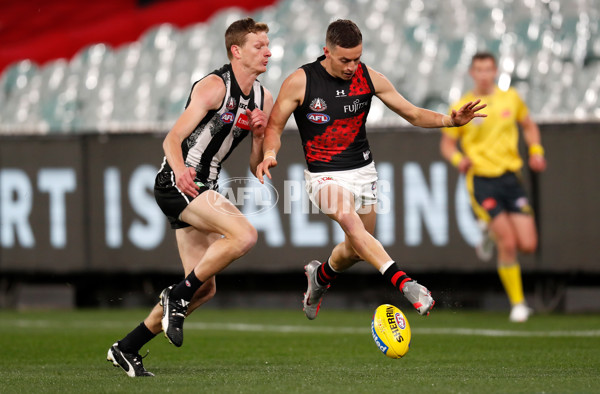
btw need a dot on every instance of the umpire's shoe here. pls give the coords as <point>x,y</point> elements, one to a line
<point>174,312</point>
<point>130,362</point>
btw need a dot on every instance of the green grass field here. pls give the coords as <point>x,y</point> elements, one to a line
<point>263,351</point>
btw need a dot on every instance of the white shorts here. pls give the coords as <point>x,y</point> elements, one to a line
<point>361,182</point>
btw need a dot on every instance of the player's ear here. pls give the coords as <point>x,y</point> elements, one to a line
<point>236,51</point>
<point>326,52</point>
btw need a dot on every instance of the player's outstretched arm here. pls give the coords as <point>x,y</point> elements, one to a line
<point>290,97</point>
<point>417,116</point>
<point>206,95</point>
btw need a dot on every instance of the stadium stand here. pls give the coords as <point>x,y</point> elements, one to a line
<point>124,67</point>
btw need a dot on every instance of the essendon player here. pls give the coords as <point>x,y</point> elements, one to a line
<point>330,99</point>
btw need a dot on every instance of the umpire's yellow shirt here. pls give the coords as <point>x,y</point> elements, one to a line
<point>492,142</point>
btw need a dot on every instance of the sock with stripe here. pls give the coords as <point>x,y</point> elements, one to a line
<point>392,273</point>
<point>138,337</point>
<point>186,288</point>
<point>325,274</point>
<point>510,276</point>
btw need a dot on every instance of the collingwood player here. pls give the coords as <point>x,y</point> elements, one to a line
<point>330,99</point>
<point>223,108</point>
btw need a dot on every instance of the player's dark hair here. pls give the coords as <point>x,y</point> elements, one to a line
<point>237,32</point>
<point>483,56</point>
<point>343,33</point>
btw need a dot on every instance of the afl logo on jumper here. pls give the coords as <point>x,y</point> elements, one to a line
<point>318,105</point>
<point>318,118</point>
<point>227,117</point>
<point>231,104</point>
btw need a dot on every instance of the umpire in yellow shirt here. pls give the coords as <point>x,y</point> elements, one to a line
<point>490,159</point>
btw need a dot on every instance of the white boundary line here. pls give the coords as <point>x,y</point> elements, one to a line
<point>243,327</point>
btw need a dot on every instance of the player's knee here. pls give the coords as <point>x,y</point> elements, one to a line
<point>528,246</point>
<point>246,239</point>
<point>508,245</point>
<point>347,221</point>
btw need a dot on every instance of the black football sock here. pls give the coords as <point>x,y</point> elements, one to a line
<point>396,277</point>
<point>138,337</point>
<point>187,287</point>
<point>325,274</point>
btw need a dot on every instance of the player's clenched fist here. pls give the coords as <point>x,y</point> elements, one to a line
<point>258,121</point>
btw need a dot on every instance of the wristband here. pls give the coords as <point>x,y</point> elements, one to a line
<point>456,158</point>
<point>270,153</point>
<point>536,149</point>
<point>447,121</point>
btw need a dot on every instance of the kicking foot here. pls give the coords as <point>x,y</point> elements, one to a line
<point>419,297</point>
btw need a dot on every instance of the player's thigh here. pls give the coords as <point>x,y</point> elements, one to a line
<point>503,230</point>
<point>485,195</point>
<point>212,212</point>
<point>336,202</point>
<point>526,233</point>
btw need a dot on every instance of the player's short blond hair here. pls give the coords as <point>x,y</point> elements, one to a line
<point>238,31</point>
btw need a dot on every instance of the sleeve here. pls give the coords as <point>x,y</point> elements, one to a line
<point>521,109</point>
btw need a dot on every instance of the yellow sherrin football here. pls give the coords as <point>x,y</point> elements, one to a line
<point>391,331</point>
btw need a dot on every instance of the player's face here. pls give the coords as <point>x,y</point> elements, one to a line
<point>255,52</point>
<point>483,72</point>
<point>343,62</point>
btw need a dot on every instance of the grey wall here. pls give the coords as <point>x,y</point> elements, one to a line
<point>85,203</point>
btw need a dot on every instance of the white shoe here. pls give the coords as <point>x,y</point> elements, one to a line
<point>520,313</point>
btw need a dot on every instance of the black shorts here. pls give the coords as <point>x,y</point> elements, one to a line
<point>171,200</point>
<point>503,193</point>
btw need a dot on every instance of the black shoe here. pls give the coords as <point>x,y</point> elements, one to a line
<point>174,312</point>
<point>130,362</point>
